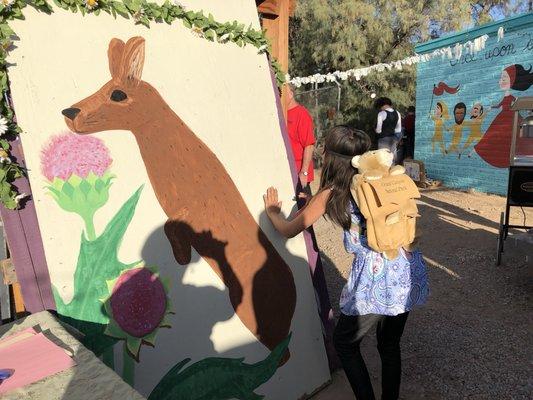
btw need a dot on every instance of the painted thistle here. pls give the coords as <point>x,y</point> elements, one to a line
<point>137,307</point>
<point>77,169</point>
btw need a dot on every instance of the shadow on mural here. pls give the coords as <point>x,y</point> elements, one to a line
<point>113,301</point>
<point>222,377</point>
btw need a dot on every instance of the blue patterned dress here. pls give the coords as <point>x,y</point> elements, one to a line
<point>377,285</point>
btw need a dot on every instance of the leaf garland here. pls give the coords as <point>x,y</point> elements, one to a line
<point>142,12</point>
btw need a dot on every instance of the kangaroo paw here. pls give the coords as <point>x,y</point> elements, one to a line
<point>179,235</point>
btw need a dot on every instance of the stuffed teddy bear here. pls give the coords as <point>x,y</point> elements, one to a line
<point>376,164</point>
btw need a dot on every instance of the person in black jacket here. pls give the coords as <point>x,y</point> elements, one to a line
<point>389,126</point>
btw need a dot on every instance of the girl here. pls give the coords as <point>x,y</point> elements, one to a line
<point>379,292</point>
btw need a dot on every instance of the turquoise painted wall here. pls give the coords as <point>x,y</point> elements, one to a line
<point>478,80</point>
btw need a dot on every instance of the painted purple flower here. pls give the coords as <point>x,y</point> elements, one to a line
<point>69,154</point>
<point>137,307</point>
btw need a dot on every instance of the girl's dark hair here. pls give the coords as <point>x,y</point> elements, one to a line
<point>341,144</point>
<point>523,78</point>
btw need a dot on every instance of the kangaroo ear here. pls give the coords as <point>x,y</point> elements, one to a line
<point>114,54</point>
<point>133,60</point>
<point>355,161</point>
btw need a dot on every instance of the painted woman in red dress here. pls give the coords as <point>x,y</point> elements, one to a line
<point>495,145</point>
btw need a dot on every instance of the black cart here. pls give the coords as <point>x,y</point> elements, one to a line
<point>520,185</point>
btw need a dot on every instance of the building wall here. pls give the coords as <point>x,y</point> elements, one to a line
<point>474,80</point>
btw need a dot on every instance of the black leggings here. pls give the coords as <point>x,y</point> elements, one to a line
<point>349,333</point>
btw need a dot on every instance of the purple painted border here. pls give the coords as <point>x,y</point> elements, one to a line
<point>315,263</point>
<point>26,246</point>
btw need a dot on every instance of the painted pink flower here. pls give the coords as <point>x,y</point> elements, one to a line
<point>69,154</point>
<point>137,307</point>
<point>138,302</point>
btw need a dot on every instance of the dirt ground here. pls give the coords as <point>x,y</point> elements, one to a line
<point>473,338</point>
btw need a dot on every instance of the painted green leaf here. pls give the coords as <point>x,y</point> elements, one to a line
<point>218,378</point>
<point>97,263</point>
<point>67,189</point>
<point>85,187</point>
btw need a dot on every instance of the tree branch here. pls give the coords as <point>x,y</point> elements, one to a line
<point>407,32</point>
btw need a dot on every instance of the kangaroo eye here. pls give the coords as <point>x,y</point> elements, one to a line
<point>118,95</point>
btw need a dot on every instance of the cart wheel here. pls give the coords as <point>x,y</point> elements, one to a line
<point>501,233</point>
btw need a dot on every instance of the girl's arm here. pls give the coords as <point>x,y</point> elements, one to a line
<point>315,208</point>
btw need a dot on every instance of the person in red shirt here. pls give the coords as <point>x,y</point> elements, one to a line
<point>300,127</point>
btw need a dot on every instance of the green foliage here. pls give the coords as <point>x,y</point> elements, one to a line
<point>142,12</point>
<point>329,35</point>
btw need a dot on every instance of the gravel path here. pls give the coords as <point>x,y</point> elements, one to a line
<point>473,339</point>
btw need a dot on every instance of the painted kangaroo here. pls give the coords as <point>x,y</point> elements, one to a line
<point>204,208</point>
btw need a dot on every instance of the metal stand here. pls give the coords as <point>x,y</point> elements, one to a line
<point>504,217</point>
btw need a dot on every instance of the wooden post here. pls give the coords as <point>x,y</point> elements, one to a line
<point>276,23</point>
<point>9,278</point>
<point>18,300</point>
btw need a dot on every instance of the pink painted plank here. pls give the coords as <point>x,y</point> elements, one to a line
<point>31,360</point>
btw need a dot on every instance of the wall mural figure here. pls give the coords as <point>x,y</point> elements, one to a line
<point>439,117</point>
<point>495,145</point>
<point>459,113</point>
<point>196,193</point>
<point>476,119</point>
<point>441,114</point>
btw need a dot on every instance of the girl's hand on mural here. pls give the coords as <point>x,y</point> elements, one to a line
<point>272,204</point>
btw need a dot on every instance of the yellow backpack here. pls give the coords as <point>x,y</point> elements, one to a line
<point>389,207</point>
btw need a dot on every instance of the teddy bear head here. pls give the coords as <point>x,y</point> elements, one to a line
<point>373,164</point>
